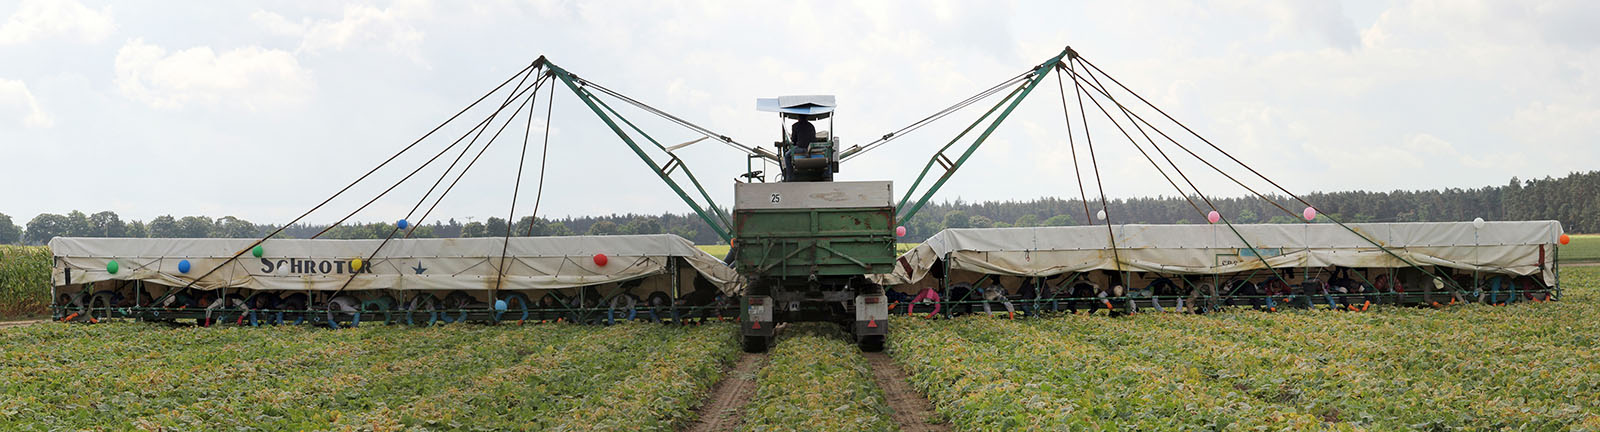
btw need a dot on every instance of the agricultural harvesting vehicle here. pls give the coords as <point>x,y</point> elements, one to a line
<point>803,247</point>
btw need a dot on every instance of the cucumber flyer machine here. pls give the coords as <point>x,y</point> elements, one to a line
<point>803,247</point>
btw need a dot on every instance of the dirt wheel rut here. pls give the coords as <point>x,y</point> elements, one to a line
<point>723,406</point>
<point>4,324</point>
<point>907,407</point>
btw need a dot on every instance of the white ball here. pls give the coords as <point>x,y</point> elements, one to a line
<point>1477,223</point>
<point>1101,215</point>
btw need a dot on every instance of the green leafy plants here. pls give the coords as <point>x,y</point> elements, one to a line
<point>1529,366</point>
<point>815,380</point>
<point>121,376</point>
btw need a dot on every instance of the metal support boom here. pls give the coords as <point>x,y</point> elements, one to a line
<point>1015,98</point>
<point>708,212</point>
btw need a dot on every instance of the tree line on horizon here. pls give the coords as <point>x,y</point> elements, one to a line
<point>1574,200</point>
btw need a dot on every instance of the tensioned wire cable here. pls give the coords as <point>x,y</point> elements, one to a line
<point>375,169</point>
<point>533,219</point>
<point>1175,168</point>
<point>1341,224</point>
<point>527,103</point>
<point>938,115</point>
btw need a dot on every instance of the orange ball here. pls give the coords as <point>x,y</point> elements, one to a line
<point>1566,239</point>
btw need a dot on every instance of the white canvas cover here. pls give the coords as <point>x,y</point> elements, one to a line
<point>1520,248</point>
<point>404,264</point>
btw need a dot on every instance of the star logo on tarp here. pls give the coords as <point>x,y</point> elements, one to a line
<point>419,268</point>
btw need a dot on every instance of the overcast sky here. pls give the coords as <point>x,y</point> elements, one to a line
<point>262,109</point>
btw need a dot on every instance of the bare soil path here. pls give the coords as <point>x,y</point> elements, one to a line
<point>4,324</point>
<point>721,411</point>
<point>906,406</point>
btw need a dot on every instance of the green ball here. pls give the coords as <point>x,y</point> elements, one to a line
<point>112,267</point>
<point>257,251</point>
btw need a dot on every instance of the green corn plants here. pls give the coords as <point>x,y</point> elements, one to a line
<point>24,280</point>
<point>815,380</point>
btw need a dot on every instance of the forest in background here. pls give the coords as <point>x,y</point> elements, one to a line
<point>1571,200</point>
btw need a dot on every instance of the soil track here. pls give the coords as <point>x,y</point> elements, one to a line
<point>721,411</point>
<point>4,324</point>
<point>907,407</point>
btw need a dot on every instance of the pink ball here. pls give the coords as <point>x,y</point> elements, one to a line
<point>900,231</point>
<point>600,259</point>
<point>1213,217</point>
<point>1309,213</point>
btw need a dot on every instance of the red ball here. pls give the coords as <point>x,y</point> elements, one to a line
<point>600,259</point>
<point>1565,239</point>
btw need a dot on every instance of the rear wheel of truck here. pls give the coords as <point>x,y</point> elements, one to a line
<point>871,343</point>
<point>755,344</point>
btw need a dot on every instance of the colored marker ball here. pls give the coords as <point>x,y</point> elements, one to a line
<point>183,266</point>
<point>601,260</point>
<point>257,251</point>
<point>355,264</point>
<point>1213,217</point>
<point>111,267</point>
<point>1564,240</point>
<point>402,224</point>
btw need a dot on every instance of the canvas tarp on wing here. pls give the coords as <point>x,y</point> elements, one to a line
<point>1520,248</point>
<point>404,264</point>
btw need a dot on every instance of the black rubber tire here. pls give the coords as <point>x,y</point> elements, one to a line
<point>871,343</point>
<point>754,344</point>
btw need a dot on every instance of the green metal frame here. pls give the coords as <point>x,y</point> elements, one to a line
<point>708,212</point>
<point>1010,102</point>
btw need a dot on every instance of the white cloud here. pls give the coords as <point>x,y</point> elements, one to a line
<point>39,19</point>
<point>360,26</point>
<point>252,77</point>
<point>15,98</point>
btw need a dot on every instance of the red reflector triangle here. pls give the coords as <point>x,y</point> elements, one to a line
<point>755,324</point>
<point>872,324</point>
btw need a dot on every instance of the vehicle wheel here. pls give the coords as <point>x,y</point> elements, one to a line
<point>871,343</point>
<point>755,344</point>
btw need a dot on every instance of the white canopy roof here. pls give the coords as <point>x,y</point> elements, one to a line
<point>1521,248</point>
<point>802,105</point>
<point>445,264</point>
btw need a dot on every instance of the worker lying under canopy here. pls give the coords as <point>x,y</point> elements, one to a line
<point>403,264</point>
<point>1515,248</point>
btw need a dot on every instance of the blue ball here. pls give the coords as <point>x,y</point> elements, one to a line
<point>401,223</point>
<point>500,305</point>
<point>183,266</point>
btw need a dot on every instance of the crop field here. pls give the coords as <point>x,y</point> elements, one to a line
<point>1529,366</point>
<point>24,281</point>
<point>1584,248</point>
<point>550,377</point>
<point>815,374</point>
